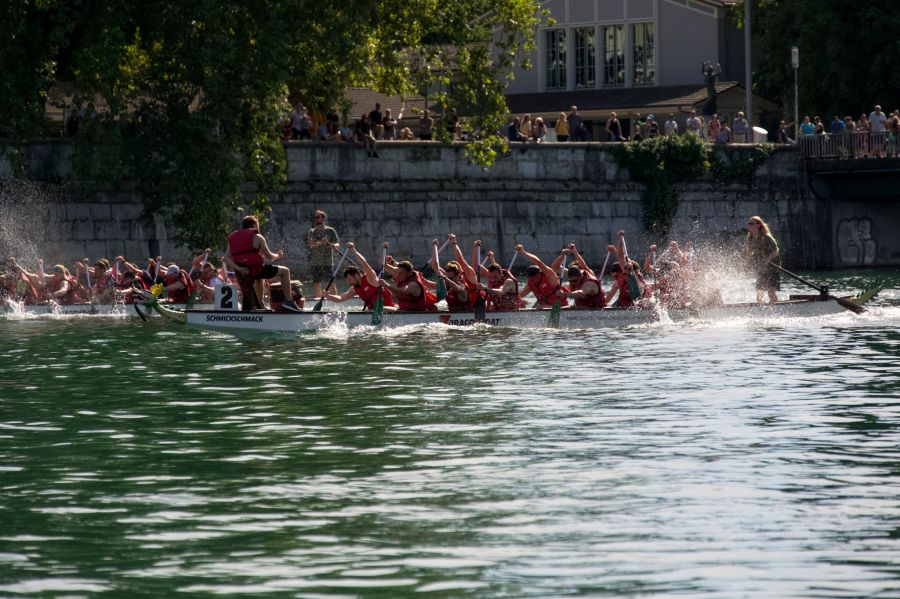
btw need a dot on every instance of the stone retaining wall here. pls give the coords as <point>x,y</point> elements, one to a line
<point>540,196</point>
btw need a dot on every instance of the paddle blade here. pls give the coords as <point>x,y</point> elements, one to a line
<point>441,290</point>
<point>318,306</point>
<point>634,287</point>
<point>866,296</point>
<point>849,305</point>
<point>378,311</point>
<point>479,309</point>
<point>193,297</point>
<point>427,271</point>
<point>555,313</point>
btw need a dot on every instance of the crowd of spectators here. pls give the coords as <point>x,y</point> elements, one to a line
<point>876,135</point>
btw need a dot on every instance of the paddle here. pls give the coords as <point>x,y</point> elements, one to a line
<point>196,291</point>
<point>378,309</point>
<point>44,281</point>
<point>441,290</point>
<point>318,306</point>
<point>90,289</point>
<point>426,270</point>
<point>556,310</point>
<point>479,299</point>
<point>844,303</point>
<point>634,286</point>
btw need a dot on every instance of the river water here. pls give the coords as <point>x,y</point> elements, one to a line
<point>726,459</point>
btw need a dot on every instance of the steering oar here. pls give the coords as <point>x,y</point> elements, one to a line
<point>844,302</point>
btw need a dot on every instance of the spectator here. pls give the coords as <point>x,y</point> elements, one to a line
<point>525,127</point>
<point>562,127</point>
<point>695,124</point>
<point>454,129</point>
<point>837,126</point>
<point>332,121</point>
<point>862,141</point>
<point>849,125</point>
<point>652,126</point>
<point>614,128</point>
<point>426,126</point>
<point>390,125</point>
<point>724,135</point>
<point>740,129</point>
<point>806,127</point>
<point>512,132</point>
<point>376,122</point>
<point>539,131</point>
<point>877,121</point>
<point>364,136</point>
<point>637,125</point>
<point>321,240</point>
<point>715,127</point>
<point>406,134</point>
<point>671,126</point>
<point>783,136</point>
<point>323,132</point>
<point>300,123</point>
<point>819,125</point>
<point>576,125</point>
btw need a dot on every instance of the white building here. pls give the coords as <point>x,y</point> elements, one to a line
<point>632,56</point>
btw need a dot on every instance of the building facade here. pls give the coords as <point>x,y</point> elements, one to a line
<point>612,44</point>
<point>633,57</point>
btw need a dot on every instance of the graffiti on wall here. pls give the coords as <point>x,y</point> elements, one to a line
<point>855,243</point>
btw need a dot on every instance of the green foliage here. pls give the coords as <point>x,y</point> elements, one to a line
<point>659,163</point>
<point>848,54</point>
<point>733,164</point>
<point>190,96</point>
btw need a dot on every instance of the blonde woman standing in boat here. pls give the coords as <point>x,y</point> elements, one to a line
<point>762,253</point>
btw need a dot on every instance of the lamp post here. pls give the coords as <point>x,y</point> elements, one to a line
<point>748,73</point>
<point>795,62</point>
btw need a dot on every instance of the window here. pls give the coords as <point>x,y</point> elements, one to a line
<point>556,58</point>
<point>614,55</point>
<point>585,57</point>
<point>643,54</point>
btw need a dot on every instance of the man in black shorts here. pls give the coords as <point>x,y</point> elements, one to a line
<point>247,254</point>
<point>321,241</point>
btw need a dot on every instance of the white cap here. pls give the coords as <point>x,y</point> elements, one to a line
<point>172,270</point>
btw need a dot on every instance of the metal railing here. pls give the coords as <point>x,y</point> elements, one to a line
<point>851,144</point>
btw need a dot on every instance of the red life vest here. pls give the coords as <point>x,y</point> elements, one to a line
<point>180,296</point>
<point>368,294</point>
<point>591,301</point>
<point>56,285</point>
<point>243,253</point>
<point>30,293</point>
<point>507,302</point>
<point>456,305</point>
<point>625,300</point>
<point>545,293</point>
<point>424,303</point>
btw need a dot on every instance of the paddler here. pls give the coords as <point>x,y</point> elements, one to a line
<point>410,291</point>
<point>19,284</point>
<point>542,282</point>
<point>459,276</point>
<point>584,287</point>
<point>62,287</point>
<point>363,282</point>
<point>178,284</point>
<point>247,254</point>
<point>502,289</point>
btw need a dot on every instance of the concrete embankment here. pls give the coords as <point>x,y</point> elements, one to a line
<point>541,196</point>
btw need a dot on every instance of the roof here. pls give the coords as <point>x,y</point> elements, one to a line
<point>621,99</point>
<point>363,100</point>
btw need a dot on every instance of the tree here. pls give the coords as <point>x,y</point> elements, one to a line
<point>848,54</point>
<point>190,96</point>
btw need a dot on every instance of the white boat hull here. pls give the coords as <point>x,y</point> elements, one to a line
<point>292,322</point>
<point>12,309</point>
